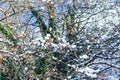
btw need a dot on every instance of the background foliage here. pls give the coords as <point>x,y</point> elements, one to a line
<point>59,39</point>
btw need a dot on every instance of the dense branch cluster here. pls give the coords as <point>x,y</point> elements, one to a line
<point>59,40</point>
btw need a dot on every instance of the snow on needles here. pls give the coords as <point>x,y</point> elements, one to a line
<point>89,72</point>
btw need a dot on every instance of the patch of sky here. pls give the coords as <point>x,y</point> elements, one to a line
<point>58,9</point>
<point>1,3</point>
<point>4,6</point>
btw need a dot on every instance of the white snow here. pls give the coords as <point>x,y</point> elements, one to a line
<point>1,39</point>
<point>73,66</point>
<point>62,45</point>
<point>69,77</point>
<point>88,71</point>
<point>42,44</point>
<point>29,52</point>
<point>44,0</point>
<point>63,40</point>
<point>103,37</point>
<point>5,51</point>
<point>48,0</point>
<point>38,39</point>
<point>26,68</point>
<point>54,58</point>
<point>47,36</point>
<point>88,47</point>
<point>84,56</point>
<point>87,41</point>
<point>54,45</point>
<point>73,46</point>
